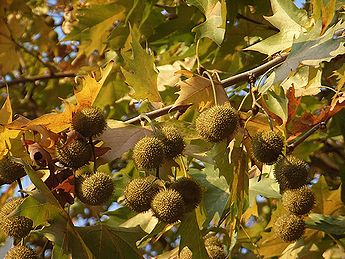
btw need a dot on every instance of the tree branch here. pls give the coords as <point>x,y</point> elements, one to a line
<point>257,71</point>
<point>240,16</point>
<point>37,78</point>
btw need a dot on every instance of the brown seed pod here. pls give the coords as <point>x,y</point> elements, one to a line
<point>139,193</point>
<point>89,121</point>
<point>173,143</point>
<point>168,206</point>
<point>16,226</point>
<point>148,153</point>
<point>267,146</point>
<point>21,252</point>
<point>291,172</point>
<point>75,153</point>
<point>95,189</point>
<point>289,228</point>
<point>217,123</point>
<point>10,170</point>
<point>190,190</point>
<point>215,252</point>
<point>10,206</point>
<point>299,201</point>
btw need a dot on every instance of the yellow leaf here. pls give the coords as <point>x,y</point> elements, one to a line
<point>56,121</point>
<point>91,87</point>
<point>198,90</point>
<point>6,112</point>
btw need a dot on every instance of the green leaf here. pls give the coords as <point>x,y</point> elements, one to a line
<point>140,73</point>
<point>291,22</point>
<point>94,27</point>
<point>278,104</point>
<point>216,191</point>
<point>311,49</point>
<point>328,224</point>
<point>145,220</point>
<point>112,242</point>
<point>214,26</point>
<point>191,236</point>
<point>220,155</point>
<point>267,187</point>
<point>118,216</point>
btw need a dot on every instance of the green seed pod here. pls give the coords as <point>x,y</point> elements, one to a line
<point>291,172</point>
<point>16,226</point>
<point>299,201</point>
<point>95,189</point>
<point>10,170</point>
<point>173,143</point>
<point>168,206</point>
<point>139,193</point>
<point>74,154</point>
<point>190,190</point>
<point>289,228</point>
<point>267,146</point>
<point>148,153</point>
<point>21,252</point>
<point>217,123</point>
<point>89,121</point>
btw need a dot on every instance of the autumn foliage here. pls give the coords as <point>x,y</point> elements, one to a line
<point>172,129</point>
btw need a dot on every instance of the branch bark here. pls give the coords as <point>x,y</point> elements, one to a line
<point>37,78</point>
<point>257,71</point>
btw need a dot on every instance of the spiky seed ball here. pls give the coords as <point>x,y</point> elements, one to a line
<point>299,201</point>
<point>212,240</point>
<point>289,228</point>
<point>16,226</point>
<point>267,146</point>
<point>21,252</point>
<point>95,189</point>
<point>190,190</point>
<point>10,206</point>
<point>74,154</point>
<point>217,123</point>
<point>215,252</point>
<point>139,193</point>
<point>168,206</point>
<point>89,121</point>
<point>173,143</point>
<point>291,172</point>
<point>148,153</point>
<point>186,253</point>
<point>10,170</point>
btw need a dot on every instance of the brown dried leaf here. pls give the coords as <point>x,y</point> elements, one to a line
<point>293,103</point>
<point>197,90</point>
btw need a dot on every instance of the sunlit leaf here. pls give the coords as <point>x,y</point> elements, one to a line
<point>120,137</point>
<point>191,236</point>
<point>112,242</point>
<point>140,73</point>
<point>198,90</point>
<point>291,22</point>
<point>332,225</point>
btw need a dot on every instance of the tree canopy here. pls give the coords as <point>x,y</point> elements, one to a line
<point>172,129</point>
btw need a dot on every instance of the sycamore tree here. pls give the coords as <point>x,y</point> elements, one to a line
<point>172,129</point>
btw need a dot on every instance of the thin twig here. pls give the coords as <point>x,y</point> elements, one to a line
<point>257,71</point>
<point>241,16</point>
<point>93,154</point>
<point>37,78</point>
<point>20,187</point>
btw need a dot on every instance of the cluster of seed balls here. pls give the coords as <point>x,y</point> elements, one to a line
<point>214,248</point>
<point>149,152</point>
<point>92,188</point>
<point>168,204</point>
<point>17,227</point>
<point>291,173</point>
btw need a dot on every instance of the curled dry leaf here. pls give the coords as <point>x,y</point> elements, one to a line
<point>120,137</point>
